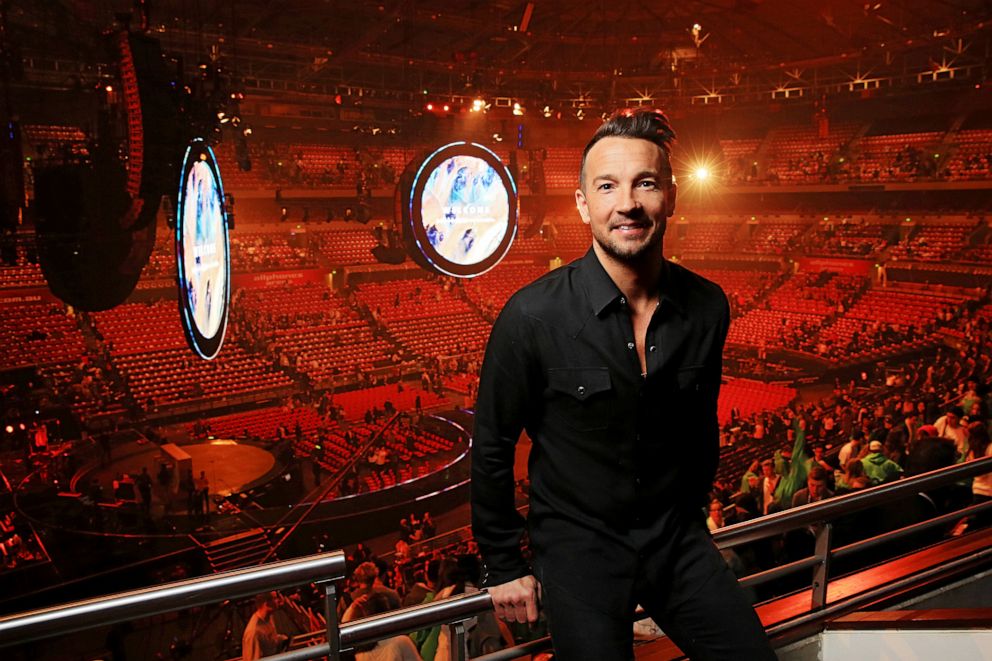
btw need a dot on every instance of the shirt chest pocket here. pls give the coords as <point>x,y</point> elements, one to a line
<point>581,397</point>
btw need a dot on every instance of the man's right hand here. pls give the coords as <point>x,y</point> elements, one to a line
<point>517,600</point>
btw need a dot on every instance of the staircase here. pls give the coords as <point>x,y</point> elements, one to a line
<point>241,550</point>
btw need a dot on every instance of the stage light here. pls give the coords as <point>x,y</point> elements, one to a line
<point>478,105</point>
<point>497,137</point>
<point>447,107</point>
<point>702,173</point>
<point>109,88</point>
<point>9,429</point>
<point>547,111</point>
<point>518,109</point>
<point>430,106</point>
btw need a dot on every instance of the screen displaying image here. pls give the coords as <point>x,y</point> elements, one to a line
<point>464,209</point>
<point>202,252</point>
<point>459,206</point>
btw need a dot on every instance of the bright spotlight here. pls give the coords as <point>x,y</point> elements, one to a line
<point>702,173</point>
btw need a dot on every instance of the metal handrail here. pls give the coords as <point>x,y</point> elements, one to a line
<point>235,584</point>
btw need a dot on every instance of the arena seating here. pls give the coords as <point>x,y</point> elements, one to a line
<point>347,247</point>
<point>268,252</point>
<point>773,238</point>
<point>799,154</point>
<point>815,293</point>
<point>738,157</point>
<point>319,334</point>
<point>741,286</point>
<point>561,167</point>
<point>749,397</point>
<point>39,334</point>
<point>933,242</point>
<point>412,312</point>
<point>491,290</point>
<point>147,347</point>
<point>972,158</point>
<point>847,237</point>
<point>702,237</point>
<point>571,237</point>
<point>897,157</point>
<point>900,309</point>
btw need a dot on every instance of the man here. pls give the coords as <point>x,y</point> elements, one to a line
<point>851,449</point>
<point>612,364</point>
<point>929,452</point>
<point>768,488</point>
<point>949,426</point>
<point>367,577</point>
<point>816,488</point>
<point>260,638</point>
<point>879,468</point>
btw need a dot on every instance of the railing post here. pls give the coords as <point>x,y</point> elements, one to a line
<point>456,634</point>
<point>331,620</point>
<point>821,573</point>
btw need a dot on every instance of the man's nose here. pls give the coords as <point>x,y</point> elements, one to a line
<point>628,202</point>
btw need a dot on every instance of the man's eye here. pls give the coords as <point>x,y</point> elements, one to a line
<point>605,187</point>
<point>648,183</point>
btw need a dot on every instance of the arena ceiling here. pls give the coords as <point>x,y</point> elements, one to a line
<point>551,48</point>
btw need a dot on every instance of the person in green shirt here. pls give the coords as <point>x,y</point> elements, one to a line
<point>879,468</point>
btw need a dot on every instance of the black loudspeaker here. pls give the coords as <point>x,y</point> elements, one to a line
<point>93,235</point>
<point>88,259</point>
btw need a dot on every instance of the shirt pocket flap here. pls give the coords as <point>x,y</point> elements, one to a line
<point>579,382</point>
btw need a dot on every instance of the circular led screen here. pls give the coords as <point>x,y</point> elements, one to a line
<point>202,251</point>
<point>462,210</point>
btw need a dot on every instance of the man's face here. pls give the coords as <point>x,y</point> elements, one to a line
<point>716,513</point>
<point>626,198</point>
<point>952,420</point>
<point>768,470</point>
<point>817,488</point>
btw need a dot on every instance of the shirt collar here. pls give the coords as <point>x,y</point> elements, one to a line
<point>603,292</point>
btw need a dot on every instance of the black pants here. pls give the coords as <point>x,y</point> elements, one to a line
<point>684,584</point>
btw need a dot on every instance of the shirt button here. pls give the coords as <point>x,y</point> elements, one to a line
<point>581,390</point>
<point>630,345</point>
<point>652,348</point>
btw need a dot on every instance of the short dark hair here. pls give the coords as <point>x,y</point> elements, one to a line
<point>642,123</point>
<point>818,474</point>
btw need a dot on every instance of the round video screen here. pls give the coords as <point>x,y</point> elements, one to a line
<point>463,210</point>
<point>202,251</point>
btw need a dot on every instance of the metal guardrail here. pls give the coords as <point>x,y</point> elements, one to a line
<point>46,622</point>
<point>329,567</point>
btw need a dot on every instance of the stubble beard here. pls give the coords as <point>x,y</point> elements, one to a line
<point>634,254</point>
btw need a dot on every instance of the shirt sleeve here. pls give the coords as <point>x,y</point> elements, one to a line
<point>507,387</point>
<point>711,422</point>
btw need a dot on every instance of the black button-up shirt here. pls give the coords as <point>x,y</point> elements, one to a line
<point>612,449</point>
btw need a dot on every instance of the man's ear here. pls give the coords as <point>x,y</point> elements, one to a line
<point>670,199</point>
<point>582,205</point>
